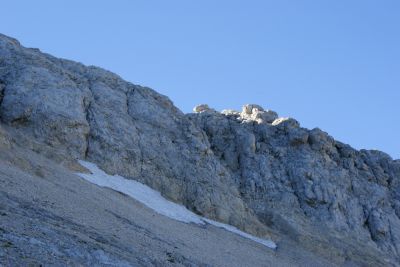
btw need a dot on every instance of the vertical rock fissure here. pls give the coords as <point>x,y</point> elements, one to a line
<point>87,105</point>
<point>87,115</point>
<point>129,94</point>
<point>2,89</point>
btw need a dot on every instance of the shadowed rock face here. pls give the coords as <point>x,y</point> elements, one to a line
<point>305,183</point>
<point>263,174</point>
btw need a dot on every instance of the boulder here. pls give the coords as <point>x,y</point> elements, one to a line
<point>252,112</point>
<point>201,108</point>
<point>248,109</point>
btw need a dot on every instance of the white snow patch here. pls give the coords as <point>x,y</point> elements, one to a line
<point>141,193</point>
<point>230,228</point>
<point>156,202</point>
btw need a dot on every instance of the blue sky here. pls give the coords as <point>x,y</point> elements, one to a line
<point>329,64</point>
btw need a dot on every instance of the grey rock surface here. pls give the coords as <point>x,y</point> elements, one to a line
<point>51,217</point>
<point>89,113</point>
<point>201,108</point>
<point>256,113</point>
<point>251,169</point>
<point>316,189</point>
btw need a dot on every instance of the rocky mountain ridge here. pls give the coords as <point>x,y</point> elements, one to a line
<point>263,174</point>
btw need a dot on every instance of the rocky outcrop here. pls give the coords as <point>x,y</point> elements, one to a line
<point>257,113</point>
<point>89,113</point>
<point>305,183</point>
<point>202,108</point>
<point>252,169</point>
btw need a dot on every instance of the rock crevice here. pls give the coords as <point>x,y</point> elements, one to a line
<point>2,89</point>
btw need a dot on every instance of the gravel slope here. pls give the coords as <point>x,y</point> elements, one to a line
<point>50,216</point>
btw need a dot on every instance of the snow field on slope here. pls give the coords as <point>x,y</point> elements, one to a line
<point>153,200</point>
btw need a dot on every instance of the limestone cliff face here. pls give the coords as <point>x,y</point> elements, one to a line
<point>304,183</point>
<point>80,112</point>
<point>261,173</point>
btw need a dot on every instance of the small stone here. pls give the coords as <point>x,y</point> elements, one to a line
<point>286,122</point>
<point>201,108</point>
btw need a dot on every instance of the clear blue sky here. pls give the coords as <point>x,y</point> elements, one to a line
<point>329,64</point>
